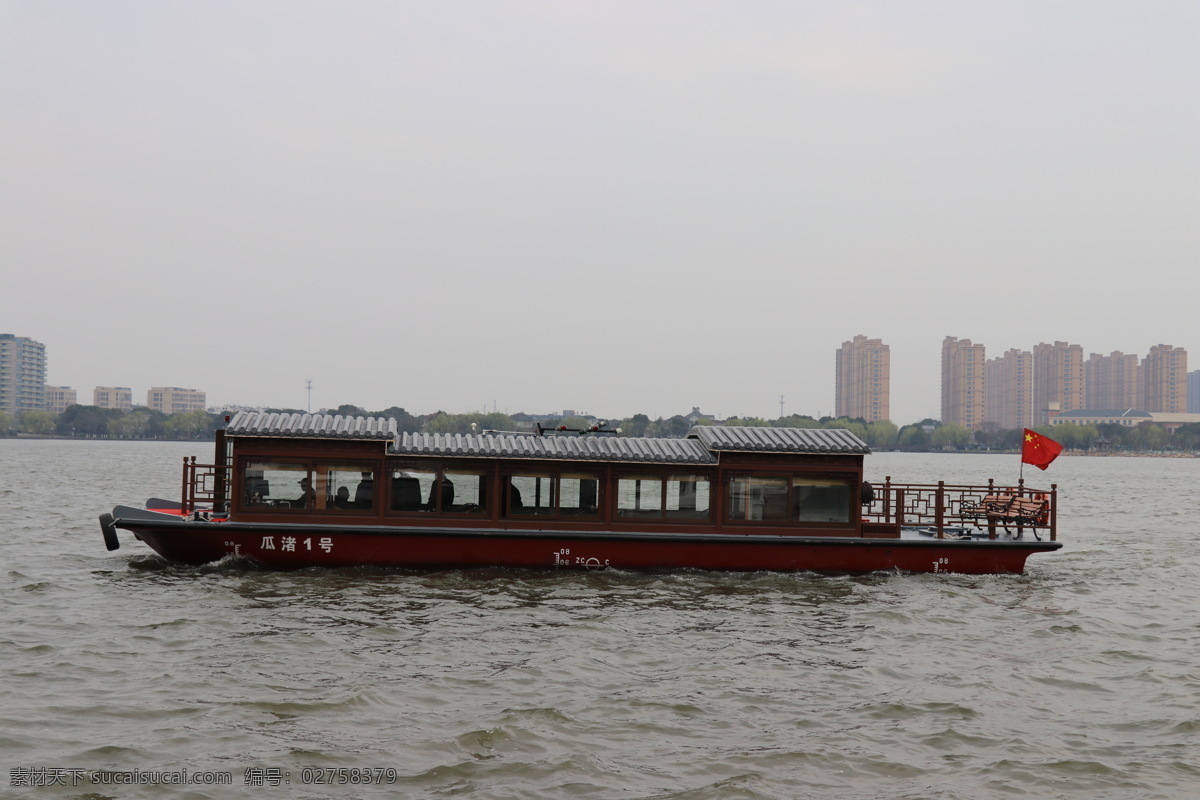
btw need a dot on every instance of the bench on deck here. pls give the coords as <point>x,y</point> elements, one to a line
<point>1009,509</point>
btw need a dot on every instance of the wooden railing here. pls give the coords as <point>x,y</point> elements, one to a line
<point>203,486</point>
<point>943,505</point>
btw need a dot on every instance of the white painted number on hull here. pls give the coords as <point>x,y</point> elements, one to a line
<point>941,565</point>
<point>563,558</point>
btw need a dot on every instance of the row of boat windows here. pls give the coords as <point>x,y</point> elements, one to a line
<point>532,493</point>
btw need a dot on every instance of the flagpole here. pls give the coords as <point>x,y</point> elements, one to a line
<point>1021,455</point>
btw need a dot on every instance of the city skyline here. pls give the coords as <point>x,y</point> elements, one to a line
<point>975,390</point>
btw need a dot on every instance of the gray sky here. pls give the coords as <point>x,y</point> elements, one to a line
<point>616,207</point>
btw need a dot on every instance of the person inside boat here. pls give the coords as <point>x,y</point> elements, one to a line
<point>364,493</point>
<point>307,495</point>
<point>514,496</point>
<point>342,498</point>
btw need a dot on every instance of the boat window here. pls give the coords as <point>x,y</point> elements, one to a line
<point>758,497</point>
<point>531,493</point>
<point>578,493</point>
<point>344,487</point>
<point>464,491</point>
<point>274,484</point>
<point>412,490</point>
<point>687,497</point>
<point>640,496</point>
<point>818,499</point>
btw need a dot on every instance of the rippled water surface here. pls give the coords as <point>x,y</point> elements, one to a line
<point>1080,678</point>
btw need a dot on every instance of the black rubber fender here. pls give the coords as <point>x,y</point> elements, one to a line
<point>110,532</point>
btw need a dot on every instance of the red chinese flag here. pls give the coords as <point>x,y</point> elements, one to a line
<point>1039,450</point>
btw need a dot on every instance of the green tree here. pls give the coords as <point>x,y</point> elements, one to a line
<point>637,425</point>
<point>752,422</point>
<point>1113,436</point>
<point>39,423</point>
<point>5,424</point>
<point>133,425</point>
<point>882,433</point>
<point>913,437</point>
<point>405,422</point>
<point>677,426</point>
<point>1010,439</point>
<point>951,435</point>
<point>461,423</point>
<point>87,421</point>
<point>796,421</point>
<point>1072,437</point>
<point>1187,437</point>
<point>189,425</point>
<point>1150,438</point>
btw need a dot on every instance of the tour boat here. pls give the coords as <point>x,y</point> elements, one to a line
<point>292,491</point>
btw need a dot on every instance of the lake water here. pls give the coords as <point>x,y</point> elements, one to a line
<point>1079,679</point>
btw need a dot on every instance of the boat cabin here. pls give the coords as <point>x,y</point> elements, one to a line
<point>346,471</point>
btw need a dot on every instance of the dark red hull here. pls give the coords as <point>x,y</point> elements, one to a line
<point>283,546</point>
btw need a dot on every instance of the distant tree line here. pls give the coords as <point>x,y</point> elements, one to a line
<point>92,422</point>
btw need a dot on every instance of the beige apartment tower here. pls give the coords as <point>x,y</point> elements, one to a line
<point>863,379</point>
<point>963,400</point>
<point>173,400</point>
<point>1164,380</point>
<point>1008,394</point>
<point>1057,380</point>
<point>1112,381</point>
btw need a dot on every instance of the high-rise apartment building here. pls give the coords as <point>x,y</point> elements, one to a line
<point>1112,381</point>
<point>22,374</point>
<point>1194,392</point>
<point>173,400</point>
<point>1008,385</point>
<point>963,400</point>
<point>120,397</point>
<point>1164,379</point>
<point>863,379</point>
<point>59,398</point>
<point>1058,384</point>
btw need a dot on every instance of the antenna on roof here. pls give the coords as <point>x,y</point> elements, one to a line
<point>308,385</point>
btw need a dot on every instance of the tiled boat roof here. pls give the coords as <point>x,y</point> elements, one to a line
<point>310,426</point>
<point>571,448</point>
<point>780,440</point>
<point>701,446</point>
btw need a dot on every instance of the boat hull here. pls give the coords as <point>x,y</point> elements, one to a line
<point>288,546</point>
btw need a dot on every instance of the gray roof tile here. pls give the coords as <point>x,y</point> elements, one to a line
<point>700,447</point>
<point>311,426</point>
<point>781,440</point>
<point>568,448</point>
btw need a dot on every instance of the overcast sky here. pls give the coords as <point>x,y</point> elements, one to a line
<point>613,207</point>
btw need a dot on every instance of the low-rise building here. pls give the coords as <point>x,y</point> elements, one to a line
<point>1127,417</point>
<point>60,398</point>
<point>118,397</point>
<point>174,400</point>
